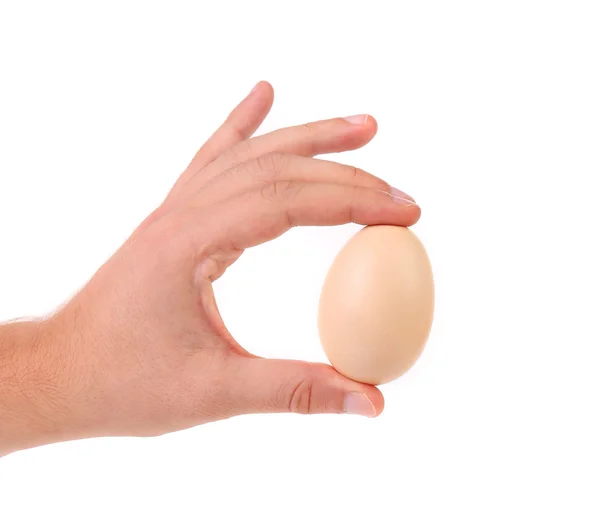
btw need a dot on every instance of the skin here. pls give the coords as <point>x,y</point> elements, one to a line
<point>141,350</point>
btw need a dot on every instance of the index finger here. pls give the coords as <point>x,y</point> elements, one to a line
<point>266,213</point>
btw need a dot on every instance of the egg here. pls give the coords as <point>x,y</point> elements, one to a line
<point>376,305</point>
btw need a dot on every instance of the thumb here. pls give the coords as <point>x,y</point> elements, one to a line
<point>267,386</point>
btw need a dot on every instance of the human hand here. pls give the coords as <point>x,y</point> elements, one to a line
<point>141,350</point>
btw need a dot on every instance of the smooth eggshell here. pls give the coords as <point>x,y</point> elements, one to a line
<point>376,305</point>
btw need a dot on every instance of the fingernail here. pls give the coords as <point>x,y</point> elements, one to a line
<point>401,197</point>
<point>358,403</point>
<point>357,119</point>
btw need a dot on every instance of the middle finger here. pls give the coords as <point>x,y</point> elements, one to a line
<point>312,139</point>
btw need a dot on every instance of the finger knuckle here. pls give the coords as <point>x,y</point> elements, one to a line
<point>352,204</point>
<point>240,150</point>
<point>300,397</point>
<point>309,127</point>
<point>280,191</point>
<point>353,172</point>
<point>272,165</point>
<point>361,177</point>
<point>288,189</point>
<point>269,192</point>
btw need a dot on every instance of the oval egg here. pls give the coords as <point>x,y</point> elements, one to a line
<point>376,305</point>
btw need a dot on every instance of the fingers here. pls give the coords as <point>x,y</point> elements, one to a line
<point>267,212</point>
<point>276,386</point>
<point>241,124</point>
<point>312,139</point>
<point>286,167</point>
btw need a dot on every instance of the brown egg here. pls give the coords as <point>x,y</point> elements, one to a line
<point>376,305</point>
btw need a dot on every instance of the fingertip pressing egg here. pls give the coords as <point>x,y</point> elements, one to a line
<point>376,305</point>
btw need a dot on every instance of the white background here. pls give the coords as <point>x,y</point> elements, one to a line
<point>489,115</point>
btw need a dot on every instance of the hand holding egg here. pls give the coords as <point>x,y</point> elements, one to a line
<point>142,347</point>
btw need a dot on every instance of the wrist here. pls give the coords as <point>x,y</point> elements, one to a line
<point>35,398</point>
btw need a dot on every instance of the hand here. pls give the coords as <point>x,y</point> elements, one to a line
<point>141,350</point>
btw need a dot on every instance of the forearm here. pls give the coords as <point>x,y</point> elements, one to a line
<point>32,398</point>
